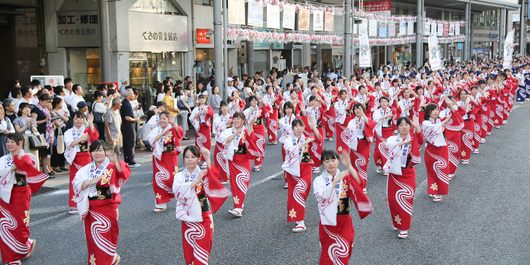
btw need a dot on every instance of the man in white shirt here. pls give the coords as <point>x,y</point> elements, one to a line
<point>76,97</point>
<point>26,95</point>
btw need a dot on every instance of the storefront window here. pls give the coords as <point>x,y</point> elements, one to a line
<point>84,68</point>
<point>146,68</point>
<point>204,64</point>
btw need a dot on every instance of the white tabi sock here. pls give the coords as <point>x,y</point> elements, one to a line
<point>160,205</point>
<point>300,223</point>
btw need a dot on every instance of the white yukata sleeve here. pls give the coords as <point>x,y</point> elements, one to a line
<point>81,196</point>
<point>188,208</point>
<point>326,200</point>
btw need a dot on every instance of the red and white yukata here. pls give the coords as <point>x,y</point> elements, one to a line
<point>359,141</point>
<point>16,187</point>
<point>220,124</point>
<point>384,128</point>
<point>401,184</point>
<point>298,170</point>
<point>329,115</point>
<point>98,208</point>
<point>195,206</point>
<point>436,158</point>
<point>203,128</point>
<point>77,156</point>
<point>316,146</point>
<point>165,161</point>
<point>239,153</point>
<point>453,135</point>
<point>259,129</point>
<point>336,230</point>
<point>286,128</point>
<point>468,130</point>
<point>272,116</point>
<point>343,117</point>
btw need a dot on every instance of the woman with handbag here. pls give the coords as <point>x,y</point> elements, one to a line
<point>61,118</point>
<point>77,140</point>
<point>41,114</point>
<point>26,126</point>
<point>185,109</point>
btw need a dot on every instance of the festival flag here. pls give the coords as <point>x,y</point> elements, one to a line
<point>508,50</point>
<point>365,56</point>
<point>434,55</point>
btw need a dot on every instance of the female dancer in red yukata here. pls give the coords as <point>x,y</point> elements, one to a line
<point>256,113</point>
<point>165,139</point>
<point>404,154</point>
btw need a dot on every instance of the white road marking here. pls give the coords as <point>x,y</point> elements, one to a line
<point>265,179</point>
<point>57,192</point>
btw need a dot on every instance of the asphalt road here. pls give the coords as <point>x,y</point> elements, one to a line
<point>483,220</point>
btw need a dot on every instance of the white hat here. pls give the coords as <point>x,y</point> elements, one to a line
<point>230,79</point>
<point>123,80</point>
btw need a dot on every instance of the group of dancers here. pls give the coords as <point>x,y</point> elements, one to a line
<point>448,113</point>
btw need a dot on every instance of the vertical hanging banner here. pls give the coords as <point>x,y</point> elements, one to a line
<point>363,27</point>
<point>434,54</point>
<point>255,13</point>
<point>451,29</point>
<point>457,29</point>
<point>303,19</point>
<point>427,28</point>
<point>391,29</point>
<point>446,28</point>
<point>235,16</point>
<point>289,12</point>
<point>372,29</point>
<point>434,28</point>
<point>365,55</point>
<point>318,20</point>
<point>402,28</point>
<point>508,51</point>
<point>329,22</point>
<point>411,28</point>
<point>440,28</point>
<point>273,16</point>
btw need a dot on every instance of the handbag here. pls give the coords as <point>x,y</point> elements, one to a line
<point>60,141</point>
<point>37,141</point>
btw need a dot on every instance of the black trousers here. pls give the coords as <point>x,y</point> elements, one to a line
<point>101,130</point>
<point>129,142</point>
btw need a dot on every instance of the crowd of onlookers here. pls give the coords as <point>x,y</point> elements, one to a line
<point>118,114</point>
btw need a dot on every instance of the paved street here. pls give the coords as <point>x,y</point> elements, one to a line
<point>484,220</point>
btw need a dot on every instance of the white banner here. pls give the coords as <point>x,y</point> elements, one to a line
<point>318,20</point>
<point>434,54</point>
<point>427,28</point>
<point>255,13</point>
<point>329,21</point>
<point>157,33</point>
<point>276,59</point>
<point>235,16</point>
<point>451,29</point>
<point>440,29</point>
<point>273,16</point>
<point>402,28</point>
<point>365,56</point>
<point>288,16</point>
<point>508,51</point>
<point>457,29</point>
<point>411,28</point>
<point>372,32</point>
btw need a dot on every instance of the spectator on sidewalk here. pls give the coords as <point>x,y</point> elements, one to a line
<point>9,109</point>
<point>99,109</point>
<point>128,128</point>
<point>76,97</point>
<point>113,126</point>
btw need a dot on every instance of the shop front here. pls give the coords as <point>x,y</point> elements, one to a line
<point>156,49</point>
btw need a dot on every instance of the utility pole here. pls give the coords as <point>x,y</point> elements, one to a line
<point>347,39</point>
<point>218,47</point>
<point>104,42</point>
